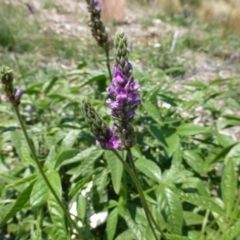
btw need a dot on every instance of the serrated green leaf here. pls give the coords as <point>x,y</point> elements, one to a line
<point>87,165</point>
<point>232,232</point>
<point>152,111</point>
<point>221,80</point>
<point>69,140</point>
<point>229,185</point>
<point>26,157</point>
<point>195,183</point>
<point>39,194</point>
<point>224,123</point>
<point>21,181</point>
<point>188,129</point>
<point>49,84</point>
<point>167,138</point>
<point>192,218</point>
<point>194,160</point>
<point>79,185</point>
<point>176,237</point>
<point>137,232</point>
<point>177,157</point>
<point>171,207</point>
<point>64,156</point>
<point>8,124</point>
<point>224,140</point>
<point>234,154</point>
<point>20,202</point>
<point>149,168</point>
<point>116,170</point>
<point>197,84</point>
<point>112,224</point>
<point>81,206</point>
<point>57,215</point>
<point>126,235</point>
<point>175,175</point>
<point>198,200</point>
<point>91,151</point>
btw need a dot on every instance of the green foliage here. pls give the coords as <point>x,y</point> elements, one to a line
<point>187,160</point>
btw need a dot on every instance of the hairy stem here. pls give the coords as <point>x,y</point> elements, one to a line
<point>140,191</point>
<point>108,62</point>
<point>73,223</point>
<point>141,194</point>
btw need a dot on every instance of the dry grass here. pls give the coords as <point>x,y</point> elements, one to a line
<point>226,13</point>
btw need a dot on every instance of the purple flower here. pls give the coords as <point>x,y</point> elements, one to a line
<point>5,98</point>
<point>112,141</point>
<point>18,94</point>
<point>125,94</point>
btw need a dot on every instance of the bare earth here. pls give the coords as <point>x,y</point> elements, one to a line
<point>69,20</point>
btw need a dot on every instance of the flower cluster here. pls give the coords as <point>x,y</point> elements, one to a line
<point>105,136</point>
<point>96,25</point>
<point>123,103</point>
<point>11,94</point>
<point>124,92</point>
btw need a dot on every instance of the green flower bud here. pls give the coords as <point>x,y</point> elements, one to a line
<point>6,75</point>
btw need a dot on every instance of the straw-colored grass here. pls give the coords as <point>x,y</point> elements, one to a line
<point>226,13</point>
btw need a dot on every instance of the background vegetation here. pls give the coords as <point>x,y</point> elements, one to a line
<point>186,58</point>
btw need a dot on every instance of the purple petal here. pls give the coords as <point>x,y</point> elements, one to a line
<point>121,93</point>
<point>132,96</point>
<point>137,102</point>
<point>119,78</point>
<point>112,90</point>
<point>131,113</point>
<point>114,67</point>
<point>115,105</point>
<point>5,98</point>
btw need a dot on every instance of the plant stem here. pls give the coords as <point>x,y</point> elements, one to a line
<point>141,194</point>
<point>108,62</point>
<point>143,200</point>
<point>73,223</point>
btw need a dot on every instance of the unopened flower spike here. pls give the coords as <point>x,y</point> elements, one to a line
<point>124,92</point>
<point>11,94</point>
<point>96,25</point>
<point>105,136</point>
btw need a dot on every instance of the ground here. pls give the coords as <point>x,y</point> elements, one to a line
<point>157,41</point>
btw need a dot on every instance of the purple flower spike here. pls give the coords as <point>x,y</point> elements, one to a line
<point>124,92</point>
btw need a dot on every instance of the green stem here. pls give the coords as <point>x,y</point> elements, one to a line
<point>143,200</point>
<point>108,62</point>
<point>141,194</point>
<point>73,223</point>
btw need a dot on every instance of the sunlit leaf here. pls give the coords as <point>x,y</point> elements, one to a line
<point>116,170</point>
<point>194,160</point>
<point>136,230</point>
<point>81,206</point>
<point>229,185</point>
<point>39,194</point>
<point>149,168</point>
<point>232,231</point>
<point>112,224</point>
<point>198,200</point>
<point>171,209</point>
<point>57,215</point>
<point>188,129</point>
<point>21,201</point>
<point>152,111</point>
<point>69,140</point>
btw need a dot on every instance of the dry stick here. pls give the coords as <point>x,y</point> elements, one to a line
<point>79,233</point>
<point>139,188</point>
